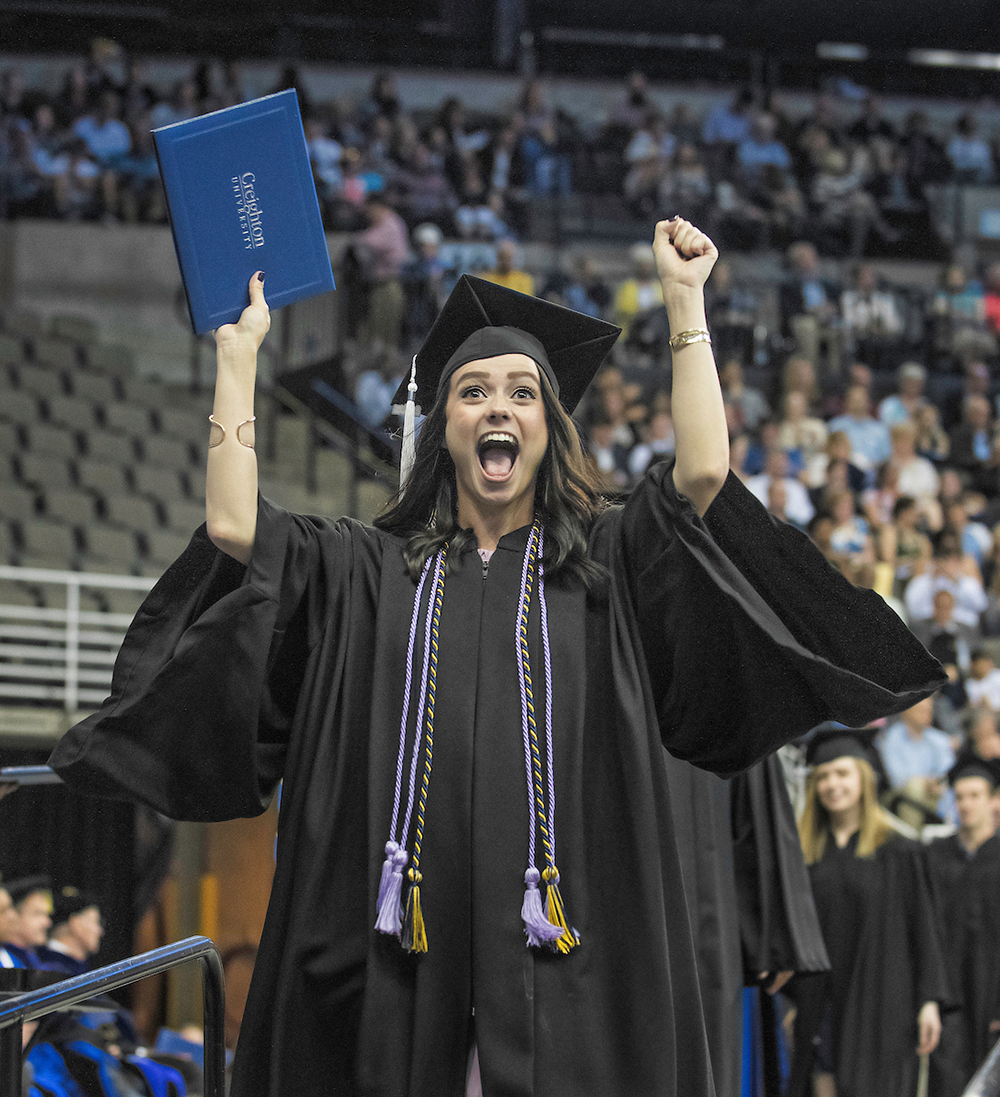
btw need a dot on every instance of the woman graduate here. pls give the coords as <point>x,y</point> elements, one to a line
<point>468,704</point>
<point>859,1031</point>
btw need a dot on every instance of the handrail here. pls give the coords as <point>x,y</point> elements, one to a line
<point>68,992</point>
<point>986,1081</point>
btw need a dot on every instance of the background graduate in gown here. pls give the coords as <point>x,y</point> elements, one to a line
<point>859,1030</point>
<point>530,686</point>
<point>964,873</point>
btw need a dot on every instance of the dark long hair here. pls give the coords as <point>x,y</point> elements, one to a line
<point>567,497</point>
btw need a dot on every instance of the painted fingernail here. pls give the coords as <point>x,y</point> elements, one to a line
<point>260,276</point>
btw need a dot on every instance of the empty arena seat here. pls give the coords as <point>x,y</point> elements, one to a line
<point>106,547</point>
<point>157,482</point>
<point>11,348</point>
<point>76,329</point>
<point>97,387</point>
<point>151,394</point>
<point>192,426</point>
<point>69,505</point>
<point>71,411</point>
<point>20,321</point>
<point>102,445</point>
<point>17,502</point>
<point>45,543</point>
<point>184,516</point>
<point>41,380</point>
<point>131,512</point>
<point>52,439</point>
<point>19,406</point>
<point>42,470</point>
<point>164,546</point>
<point>10,438</point>
<point>101,476</point>
<point>127,418</point>
<point>55,352</point>
<point>158,449</point>
<point>111,358</point>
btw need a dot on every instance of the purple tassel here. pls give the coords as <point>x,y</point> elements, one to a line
<point>390,908</point>
<point>539,930</point>
<point>383,884</point>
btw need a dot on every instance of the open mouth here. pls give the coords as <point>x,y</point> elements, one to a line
<point>497,452</point>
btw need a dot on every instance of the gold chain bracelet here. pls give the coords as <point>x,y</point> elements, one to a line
<point>686,338</point>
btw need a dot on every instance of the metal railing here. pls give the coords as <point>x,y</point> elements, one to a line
<point>64,655</point>
<point>30,1006</point>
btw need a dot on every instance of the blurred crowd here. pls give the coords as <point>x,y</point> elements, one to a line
<point>753,171</point>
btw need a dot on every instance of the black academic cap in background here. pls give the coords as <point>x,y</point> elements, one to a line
<point>832,740</point>
<point>20,889</point>
<point>67,901</point>
<point>482,320</point>
<point>969,764</point>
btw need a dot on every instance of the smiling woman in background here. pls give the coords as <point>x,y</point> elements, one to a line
<point>859,1030</point>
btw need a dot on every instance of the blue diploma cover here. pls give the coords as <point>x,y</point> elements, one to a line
<point>241,198</point>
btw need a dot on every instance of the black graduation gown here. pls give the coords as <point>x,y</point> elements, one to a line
<point>229,680</point>
<point>966,894</point>
<point>748,891</point>
<point>885,963</point>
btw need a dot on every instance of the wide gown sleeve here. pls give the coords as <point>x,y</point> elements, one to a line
<point>205,684</point>
<point>750,637</point>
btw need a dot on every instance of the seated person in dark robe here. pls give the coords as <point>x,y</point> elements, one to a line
<point>506,635</point>
<point>860,1029</point>
<point>76,932</point>
<point>8,917</point>
<point>964,873</point>
<point>28,930</point>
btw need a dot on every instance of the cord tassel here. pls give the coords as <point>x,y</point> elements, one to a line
<point>538,929</point>
<point>389,917</point>
<point>568,938</point>
<point>383,884</point>
<point>414,938</point>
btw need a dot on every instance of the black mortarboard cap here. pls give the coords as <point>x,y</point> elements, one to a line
<point>20,889</point>
<point>969,764</point>
<point>67,901</point>
<point>481,320</point>
<point>832,740</point>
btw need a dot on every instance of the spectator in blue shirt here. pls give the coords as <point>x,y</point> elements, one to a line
<point>108,141</point>
<point>376,388</point>
<point>969,154</point>
<point>761,148</point>
<point>869,437</point>
<point>917,758</point>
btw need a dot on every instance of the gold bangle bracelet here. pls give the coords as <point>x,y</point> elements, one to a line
<point>686,338</point>
<point>245,423</point>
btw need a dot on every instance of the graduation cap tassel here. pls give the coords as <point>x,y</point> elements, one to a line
<point>409,451</point>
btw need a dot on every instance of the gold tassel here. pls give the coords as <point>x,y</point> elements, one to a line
<point>414,936</point>
<point>556,914</point>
